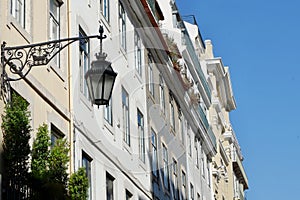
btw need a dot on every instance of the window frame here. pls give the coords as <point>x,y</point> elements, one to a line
<point>166,176</point>
<point>125,116</point>
<point>87,161</point>
<point>105,9</point>
<point>84,61</point>
<point>175,179</point>
<point>150,75</point>
<point>15,7</point>
<point>154,153</point>
<point>162,100</point>
<point>138,53</point>
<point>122,26</point>
<point>108,112</point>
<point>141,134</point>
<point>109,179</point>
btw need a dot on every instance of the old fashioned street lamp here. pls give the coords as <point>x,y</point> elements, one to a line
<point>20,60</point>
<point>100,77</point>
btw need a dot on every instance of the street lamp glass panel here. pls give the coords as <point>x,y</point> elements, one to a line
<point>100,81</point>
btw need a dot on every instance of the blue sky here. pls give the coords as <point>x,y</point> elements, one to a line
<point>260,42</point>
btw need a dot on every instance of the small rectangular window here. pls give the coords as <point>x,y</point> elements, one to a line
<point>122,26</point>
<point>165,167</point>
<point>128,195</point>
<point>125,113</point>
<point>138,53</point>
<point>84,61</point>
<point>105,9</point>
<point>141,133</point>
<point>162,94</point>
<point>175,180</point>
<point>17,10</point>
<point>183,183</point>
<point>108,112</point>
<point>150,75</point>
<point>86,163</point>
<point>154,153</point>
<point>55,135</point>
<point>192,191</point>
<point>109,187</point>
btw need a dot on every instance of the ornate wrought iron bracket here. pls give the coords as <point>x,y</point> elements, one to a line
<point>21,59</point>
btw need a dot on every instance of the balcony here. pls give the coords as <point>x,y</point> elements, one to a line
<point>208,129</point>
<point>238,169</point>
<point>191,51</point>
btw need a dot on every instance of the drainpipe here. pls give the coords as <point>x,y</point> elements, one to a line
<point>70,84</point>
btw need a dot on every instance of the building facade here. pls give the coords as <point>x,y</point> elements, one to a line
<point>165,133</point>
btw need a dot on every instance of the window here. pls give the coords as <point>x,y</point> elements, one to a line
<point>154,153</point>
<point>55,135</point>
<point>208,173</point>
<point>190,144</point>
<point>172,115</point>
<point>84,63</point>
<point>54,24</point>
<point>198,196</point>
<point>150,76</point>
<point>162,94</point>
<point>17,10</point>
<point>192,191</point>
<point>108,112</point>
<point>197,155</point>
<point>122,26</point>
<point>202,164</point>
<point>182,129</point>
<point>125,112</point>
<point>54,20</point>
<point>183,183</point>
<point>128,195</point>
<point>140,120</point>
<point>109,186</point>
<point>165,167</point>
<point>86,163</point>
<point>138,53</point>
<point>175,179</point>
<point>105,9</point>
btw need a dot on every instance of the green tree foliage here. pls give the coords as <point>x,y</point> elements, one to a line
<point>58,162</point>
<point>78,185</point>
<point>49,166</point>
<point>16,134</point>
<point>40,153</point>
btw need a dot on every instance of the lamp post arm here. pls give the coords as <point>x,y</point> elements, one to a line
<point>21,59</point>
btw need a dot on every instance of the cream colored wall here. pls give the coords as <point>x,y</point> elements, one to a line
<point>46,87</point>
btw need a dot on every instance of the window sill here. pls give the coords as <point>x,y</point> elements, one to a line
<point>127,147</point>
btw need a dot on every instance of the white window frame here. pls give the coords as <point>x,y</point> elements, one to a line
<point>166,177</point>
<point>110,184</point>
<point>138,53</point>
<point>154,153</point>
<point>84,61</point>
<point>105,10</point>
<point>162,101</point>
<point>150,76</point>
<point>172,114</point>
<point>108,112</point>
<point>126,119</point>
<point>192,195</point>
<point>87,163</point>
<point>54,24</point>
<point>17,10</point>
<point>141,134</point>
<point>122,26</point>
<point>183,184</point>
<point>175,179</point>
